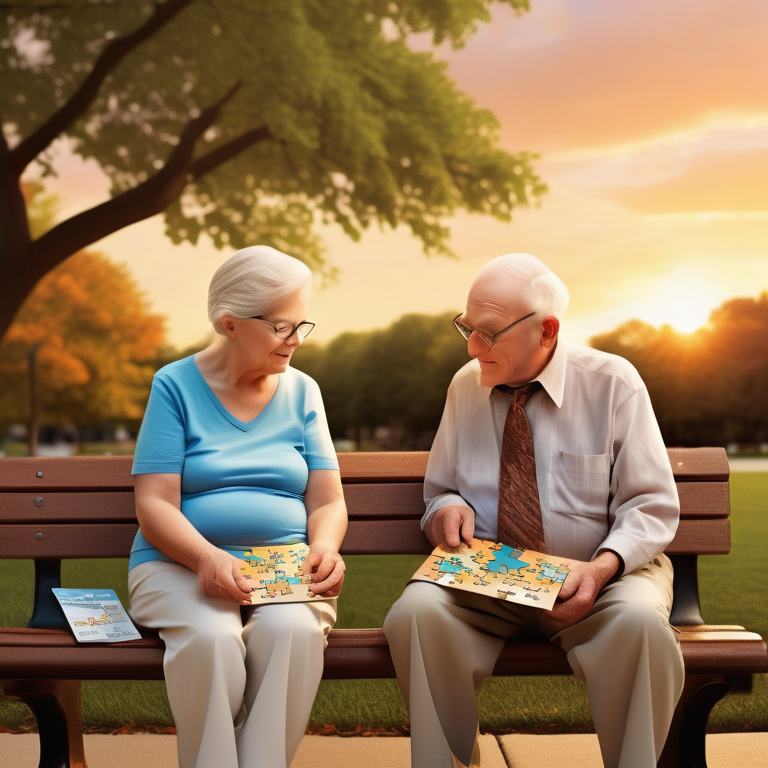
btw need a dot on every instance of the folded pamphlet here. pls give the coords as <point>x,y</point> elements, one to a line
<point>96,615</point>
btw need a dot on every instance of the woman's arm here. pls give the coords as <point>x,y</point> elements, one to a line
<point>158,509</point>
<point>326,526</point>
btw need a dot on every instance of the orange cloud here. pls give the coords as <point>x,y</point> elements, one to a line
<point>723,182</point>
<point>596,73</point>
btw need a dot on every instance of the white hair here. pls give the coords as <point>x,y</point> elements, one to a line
<point>543,292</point>
<point>252,282</point>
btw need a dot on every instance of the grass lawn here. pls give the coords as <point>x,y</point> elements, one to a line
<point>527,704</point>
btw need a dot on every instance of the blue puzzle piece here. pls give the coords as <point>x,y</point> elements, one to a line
<point>505,560</point>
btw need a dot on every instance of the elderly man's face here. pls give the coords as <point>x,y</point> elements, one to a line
<point>520,354</point>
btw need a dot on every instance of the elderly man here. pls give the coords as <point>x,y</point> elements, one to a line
<point>548,446</point>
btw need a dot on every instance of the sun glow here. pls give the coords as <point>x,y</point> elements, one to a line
<point>682,301</point>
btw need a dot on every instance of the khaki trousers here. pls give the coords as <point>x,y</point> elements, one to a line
<point>241,687</point>
<point>445,642</point>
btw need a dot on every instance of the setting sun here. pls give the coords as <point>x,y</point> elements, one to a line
<point>682,301</point>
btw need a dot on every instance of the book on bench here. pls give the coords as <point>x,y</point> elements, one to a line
<point>497,570</point>
<point>276,574</point>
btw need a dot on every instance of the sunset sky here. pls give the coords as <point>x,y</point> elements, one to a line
<point>651,119</point>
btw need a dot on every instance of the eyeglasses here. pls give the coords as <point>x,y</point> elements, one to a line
<point>286,331</point>
<point>488,338</point>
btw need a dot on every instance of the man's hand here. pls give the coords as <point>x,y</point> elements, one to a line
<point>327,569</point>
<point>219,577</point>
<point>581,588</point>
<point>451,525</point>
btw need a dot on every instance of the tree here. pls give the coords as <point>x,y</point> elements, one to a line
<point>95,340</point>
<point>396,377</point>
<point>708,387</point>
<point>248,121</point>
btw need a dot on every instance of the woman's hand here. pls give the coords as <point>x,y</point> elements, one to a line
<point>327,569</point>
<point>326,524</point>
<point>219,577</point>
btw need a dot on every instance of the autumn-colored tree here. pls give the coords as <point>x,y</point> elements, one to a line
<point>248,121</point>
<point>93,339</point>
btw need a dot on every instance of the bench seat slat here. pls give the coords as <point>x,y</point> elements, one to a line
<point>351,653</point>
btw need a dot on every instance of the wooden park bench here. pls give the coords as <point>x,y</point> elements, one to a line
<point>57,508</point>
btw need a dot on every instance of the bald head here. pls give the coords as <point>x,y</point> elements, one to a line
<point>519,283</point>
<point>519,302</point>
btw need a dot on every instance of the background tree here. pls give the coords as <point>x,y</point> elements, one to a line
<point>708,387</point>
<point>248,121</point>
<point>395,378</point>
<point>96,344</point>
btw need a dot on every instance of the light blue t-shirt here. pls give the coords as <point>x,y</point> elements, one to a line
<point>242,483</point>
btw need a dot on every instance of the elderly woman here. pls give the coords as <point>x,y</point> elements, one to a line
<point>234,452</point>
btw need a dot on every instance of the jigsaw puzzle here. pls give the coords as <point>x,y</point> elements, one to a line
<point>276,574</point>
<point>497,570</point>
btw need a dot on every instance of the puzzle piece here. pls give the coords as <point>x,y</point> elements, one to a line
<point>555,574</point>
<point>505,560</point>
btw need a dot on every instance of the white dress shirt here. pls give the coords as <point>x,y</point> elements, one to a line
<point>605,481</point>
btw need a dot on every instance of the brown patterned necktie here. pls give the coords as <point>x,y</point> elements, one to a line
<point>519,517</point>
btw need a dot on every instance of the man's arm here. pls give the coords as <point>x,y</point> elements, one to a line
<point>448,519</point>
<point>644,506</point>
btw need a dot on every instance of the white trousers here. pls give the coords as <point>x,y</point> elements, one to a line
<point>445,642</point>
<point>241,687</point>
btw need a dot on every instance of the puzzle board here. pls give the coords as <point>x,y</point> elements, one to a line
<point>497,570</point>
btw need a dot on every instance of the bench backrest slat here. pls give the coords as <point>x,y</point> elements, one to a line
<point>72,506</point>
<point>400,536</point>
<point>66,541</point>
<point>369,501</point>
<point>383,492</point>
<point>113,472</point>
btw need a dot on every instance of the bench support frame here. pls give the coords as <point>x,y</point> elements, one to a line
<point>56,705</point>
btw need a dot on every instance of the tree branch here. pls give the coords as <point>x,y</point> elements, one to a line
<point>14,229</point>
<point>26,151</point>
<point>138,203</point>
<point>227,151</point>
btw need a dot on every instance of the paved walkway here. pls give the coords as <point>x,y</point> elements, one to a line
<point>748,464</point>
<point>728,750</point>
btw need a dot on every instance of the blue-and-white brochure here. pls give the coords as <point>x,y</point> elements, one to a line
<point>96,615</point>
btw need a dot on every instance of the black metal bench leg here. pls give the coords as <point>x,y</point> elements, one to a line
<point>56,705</point>
<point>686,743</point>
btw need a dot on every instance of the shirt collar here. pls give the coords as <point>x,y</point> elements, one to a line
<point>552,378</point>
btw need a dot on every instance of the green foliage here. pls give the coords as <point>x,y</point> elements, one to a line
<point>708,387</point>
<point>396,377</point>
<point>356,127</point>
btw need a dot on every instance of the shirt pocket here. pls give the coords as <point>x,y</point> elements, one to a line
<point>580,484</point>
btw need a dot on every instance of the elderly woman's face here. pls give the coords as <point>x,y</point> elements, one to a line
<point>267,350</point>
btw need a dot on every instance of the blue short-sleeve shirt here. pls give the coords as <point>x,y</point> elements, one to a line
<point>242,483</point>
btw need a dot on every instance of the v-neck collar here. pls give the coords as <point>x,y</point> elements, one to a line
<point>245,426</point>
